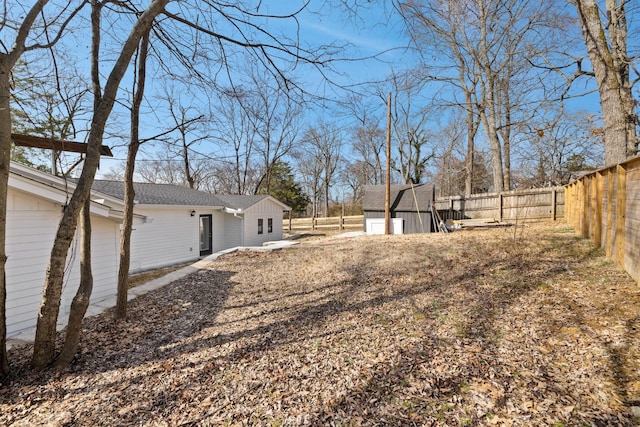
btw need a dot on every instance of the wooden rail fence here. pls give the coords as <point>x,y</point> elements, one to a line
<point>604,206</point>
<point>351,223</point>
<point>517,205</point>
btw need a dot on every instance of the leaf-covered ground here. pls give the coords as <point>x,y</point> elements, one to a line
<point>490,327</point>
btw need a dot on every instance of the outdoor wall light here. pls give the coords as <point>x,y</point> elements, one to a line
<point>193,213</point>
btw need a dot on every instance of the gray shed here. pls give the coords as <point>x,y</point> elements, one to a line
<point>411,204</point>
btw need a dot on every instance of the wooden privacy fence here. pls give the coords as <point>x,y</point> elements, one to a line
<point>605,207</point>
<point>352,223</point>
<point>518,205</point>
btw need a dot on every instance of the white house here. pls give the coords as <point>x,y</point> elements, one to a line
<point>35,201</point>
<point>182,224</point>
<point>172,225</point>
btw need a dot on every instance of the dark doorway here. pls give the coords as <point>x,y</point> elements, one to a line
<point>206,235</point>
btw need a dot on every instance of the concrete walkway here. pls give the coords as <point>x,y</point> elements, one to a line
<point>99,306</point>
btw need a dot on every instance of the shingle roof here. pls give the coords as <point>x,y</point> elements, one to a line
<point>240,202</point>
<point>176,195</point>
<point>402,197</point>
<point>159,194</point>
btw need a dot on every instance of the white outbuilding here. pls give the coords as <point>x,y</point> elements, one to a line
<point>172,225</point>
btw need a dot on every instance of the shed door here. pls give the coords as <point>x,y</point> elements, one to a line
<point>206,235</point>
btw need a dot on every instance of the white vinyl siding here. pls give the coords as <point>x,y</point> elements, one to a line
<point>170,236</point>
<point>264,210</point>
<point>29,238</point>
<point>31,228</point>
<point>228,231</point>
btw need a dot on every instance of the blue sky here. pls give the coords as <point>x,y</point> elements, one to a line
<point>374,47</point>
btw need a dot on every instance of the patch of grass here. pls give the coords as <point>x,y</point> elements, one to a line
<point>138,279</point>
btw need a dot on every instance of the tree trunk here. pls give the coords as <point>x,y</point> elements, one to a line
<point>187,167</point>
<point>472,129</point>
<point>125,234</point>
<point>488,112</point>
<point>7,62</point>
<point>496,150</point>
<point>505,131</point>
<point>82,298</point>
<point>5,161</point>
<point>468,177</point>
<point>611,68</point>
<point>326,199</point>
<point>44,344</point>
<point>129,192</point>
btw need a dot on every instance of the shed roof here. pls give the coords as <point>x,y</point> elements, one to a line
<point>402,197</point>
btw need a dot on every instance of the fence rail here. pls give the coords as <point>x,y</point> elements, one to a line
<point>535,204</point>
<point>605,207</point>
<point>351,223</point>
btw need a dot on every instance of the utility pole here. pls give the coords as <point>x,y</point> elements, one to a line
<point>387,181</point>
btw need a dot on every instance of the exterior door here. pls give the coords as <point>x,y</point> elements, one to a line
<point>206,235</point>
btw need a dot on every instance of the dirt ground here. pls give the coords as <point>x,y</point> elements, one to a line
<point>523,327</point>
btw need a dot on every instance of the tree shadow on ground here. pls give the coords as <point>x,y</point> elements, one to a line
<point>453,311</point>
<point>390,395</point>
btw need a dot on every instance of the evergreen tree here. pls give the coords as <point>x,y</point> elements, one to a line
<point>285,189</point>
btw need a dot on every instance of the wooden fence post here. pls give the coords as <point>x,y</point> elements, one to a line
<point>577,191</point>
<point>554,197</point>
<point>597,198</point>
<point>621,212</point>
<point>500,206</point>
<point>592,210</point>
<point>584,229</point>
<point>569,202</point>
<point>609,230</point>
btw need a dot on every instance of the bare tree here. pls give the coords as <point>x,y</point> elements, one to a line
<point>81,300</point>
<point>190,132</point>
<point>44,344</point>
<point>324,143</point>
<point>258,119</point>
<point>409,127</point>
<point>605,34</point>
<point>44,107</point>
<point>450,169</point>
<point>18,21</point>
<point>165,170</point>
<point>310,169</point>
<point>129,170</point>
<point>486,48</point>
<point>368,142</point>
<point>193,34</point>
<point>437,25</point>
<point>235,128</point>
<point>559,142</point>
<point>275,115</point>
<point>355,175</point>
